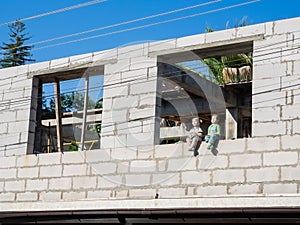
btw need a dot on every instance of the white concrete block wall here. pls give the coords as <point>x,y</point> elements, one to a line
<point>129,99</point>
<point>16,89</point>
<point>267,164</point>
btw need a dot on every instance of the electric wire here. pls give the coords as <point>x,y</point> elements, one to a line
<point>56,11</point>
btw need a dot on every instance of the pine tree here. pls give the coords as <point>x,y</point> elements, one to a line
<point>16,53</point>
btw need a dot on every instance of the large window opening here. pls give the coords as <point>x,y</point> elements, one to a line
<point>192,84</point>
<point>69,111</point>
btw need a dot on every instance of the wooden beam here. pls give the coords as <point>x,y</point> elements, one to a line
<point>58,114</point>
<point>86,96</point>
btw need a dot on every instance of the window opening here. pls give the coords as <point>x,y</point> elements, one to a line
<point>71,94</point>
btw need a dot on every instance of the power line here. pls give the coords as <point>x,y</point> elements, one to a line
<point>123,23</point>
<point>56,11</point>
<point>149,25</point>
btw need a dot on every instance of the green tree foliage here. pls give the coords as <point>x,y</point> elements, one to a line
<point>216,64</point>
<point>72,102</point>
<point>16,53</point>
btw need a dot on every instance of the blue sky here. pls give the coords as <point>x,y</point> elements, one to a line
<point>112,12</point>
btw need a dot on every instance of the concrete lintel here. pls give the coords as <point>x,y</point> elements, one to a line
<point>206,45</point>
<point>117,204</point>
<point>72,67</point>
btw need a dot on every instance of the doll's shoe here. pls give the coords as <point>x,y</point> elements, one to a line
<point>209,147</point>
<point>191,149</point>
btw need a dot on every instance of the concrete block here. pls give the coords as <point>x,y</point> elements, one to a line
<point>102,155</point>
<point>267,114</point>
<point>125,102</point>
<point>286,26</point>
<point>245,160</point>
<point>109,54</point>
<point>98,194</point>
<point>290,142</point>
<point>141,113</point>
<point>228,176</point>
<point>129,128</point>
<point>51,171</point>
<point>102,168</point>
<point>290,173</point>
<point>84,182</point>
<point>107,142</point>
<point>142,166</point>
<point>8,116</point>
<point>73,157</point>
<point>232,146</point>
<point>195,177</point>
<point>142,193</point>
<point>140,139</point>
<point>124,153</point>
<point>244,189</point>
<point>142,62</point>
<point>263,144</point>
<point>120,141</point>
<point>131,51</point>
<point>145,152</point>
<point>84,59</point>
<point>266,85</point>
<point>107,103</point>
<point>74,170</point>
<point>115,116</point>
<point>35,67</point>
<point>166,179</point>
<point>280,158</point>
<point>115,90</point>
<point>19,149</point>
<point>22,115</point>
<point>168,151</point>
<point>296,127</point>
<point>268,129</point>
<point>137,180</point>
<point>267,56</point>
<point>8,162</point>
<point>49,159</point>
<point>112,80</point>
<point>143,87</point>
<point>209,161</point>
<point>268,99</point>
<point>190,40</point>
<point>171,192</point>
<point>146,100</point>
<point>282,189</point>
<point>269,73</point>
<point>121,65</point>
<point>37,184</point>
<point>139,75</point>
<point>10,173</point>
<point>215,190</point>
<point>123,167</point>
<point>28,172</point>
<point>60,183</point>
<point>218,36</point>
<point>12,95</point>
<point>262,174</point>
<point>270,43</point>
<point>290,112</point>
<point>73,195</point>
<point>14,185</point>
<point>290,54</point>
<point>7,197</point>
<point>162,45</point>
<point>111,181</point>
<point>27,196</point>
<point>182,164</point>
<point>18,126</point>
<point>27,161</point>
<point>251,30</point>
<point>50,196</point>
<point>59,63</point>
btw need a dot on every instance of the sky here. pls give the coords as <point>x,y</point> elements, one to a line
<point>98,15</point>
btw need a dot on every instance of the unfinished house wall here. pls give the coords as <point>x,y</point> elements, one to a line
<point>244,169</point>
<point>130,89</point>
<point>16,92</point>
